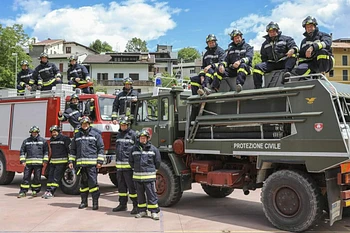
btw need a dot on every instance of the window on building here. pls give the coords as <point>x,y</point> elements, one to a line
<point>345,75</point>
<point>99,76</point>
<point>166,69</point>
<point>68,49</point>
<point>192,71</point>
<point>331,73</point>
<point>61,67</point>
<point>134,76</point>
<point>118,76</point>
<point>104,76</point>
<point>345,60</point>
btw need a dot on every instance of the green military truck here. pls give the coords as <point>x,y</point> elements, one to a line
<point>292,141</point>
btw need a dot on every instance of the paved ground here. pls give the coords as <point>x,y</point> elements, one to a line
<point>195,213</point>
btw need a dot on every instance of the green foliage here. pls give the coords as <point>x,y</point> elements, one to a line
<point>136,45</point>
<point>188,54</point>
<point>256,59</point>
<point>12,40</point>
<point>100,88</point>
<point>100,46</point>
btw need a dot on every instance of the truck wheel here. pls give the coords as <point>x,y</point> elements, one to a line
<point>217,192</point>
<point>5,176</point>
<point>168,185</point>
<point>113,178</point>
<point>291,200</point>
<point>70,183</point>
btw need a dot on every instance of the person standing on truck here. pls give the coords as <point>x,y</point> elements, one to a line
<point>24,78</point>
<point>315,50</point>
<point>145,159</point>
<point>46,74</point>
<point>87,151</point>
<point>126,139</point>
<point>125,102</point>
<point>238,60</point>
<point>78,75</point>
<point>33,155</point>
<point>277,52</point>
<point>59,145</point>
<point>204,82</point>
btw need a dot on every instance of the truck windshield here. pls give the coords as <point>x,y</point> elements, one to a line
<point>106,106</point>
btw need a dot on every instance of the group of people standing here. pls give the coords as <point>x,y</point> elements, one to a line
<point>46,75</point>
<point>278,52</point>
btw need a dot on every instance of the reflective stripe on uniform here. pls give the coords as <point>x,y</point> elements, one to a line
<point>144,175</point>
<point>35,185</point>
<point>48,83</point>
<point>133,195</point>
<point>307,72</point>
<point>218,76</point>
<point>123,194</point>
<point>142,205</point>
<point>258,71</point>
<point>121,164</point>
<point>195,84</point>
<point>322,57</point>
<point>25,186</point>
<point>53,185</point>
<point>242,70</point>
<point>152,206</point>
<point>93,190</point>
<point>83,190</point>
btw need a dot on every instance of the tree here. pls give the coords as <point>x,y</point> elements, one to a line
<point>100,47</point>
<point>136,45</point>
<point>256,59</point>
<point>188,54</point>
<point>12,41</point>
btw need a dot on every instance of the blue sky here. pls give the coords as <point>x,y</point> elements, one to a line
<point>178,23</point>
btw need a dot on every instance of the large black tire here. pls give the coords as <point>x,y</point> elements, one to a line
<point>70,183</point>
<point>113,178</point>
<point>291,200</point>
<point>217,192</point>
<point>5,176</point>
<point>168,185</point>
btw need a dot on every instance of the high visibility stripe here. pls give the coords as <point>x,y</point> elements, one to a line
<point>31,81</point>
<point>83,190</point>
<point>307,72</point>
<point>242,70</point>
<point>209,75</point>
<point>22,83</point>
<point>122,166</point>
<point>86,162</point>
<point>143,177</point>
<point>34,162</point>
<point>48,83</point>
<point>61,118</point>
<point>218,76</point>
<point>21,91</point>
<point>36,185</point>
<point>72,157</point>
<point>195,84</point>
<point>133,195</point>
<point>319,45</point>
<point>258,71</point>
<point>25,186</point>
<point>123,194</point>
<point>322,57</point>
<point>224,63</point>
<point>152,206</point>
<point>52,185</point>
<point>93,190</point>
<point>58,161</point>
<point>142,205</point>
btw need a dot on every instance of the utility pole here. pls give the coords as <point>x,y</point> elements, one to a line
<point>16,56</point>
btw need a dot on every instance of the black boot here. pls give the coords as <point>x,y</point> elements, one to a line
<point>84,200</point>
<point>285,77</point>
<point>95,204</point>
<point>120,208</point>
<point>134,209</point>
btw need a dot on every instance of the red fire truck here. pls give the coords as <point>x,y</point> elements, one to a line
<point>19,113</point>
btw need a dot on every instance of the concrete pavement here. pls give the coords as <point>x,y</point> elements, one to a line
<point>195,213</point>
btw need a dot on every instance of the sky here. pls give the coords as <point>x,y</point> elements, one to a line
<point>180,23</point>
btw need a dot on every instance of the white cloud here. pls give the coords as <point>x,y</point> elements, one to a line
<point>116,23</point>
<point>330,14</point>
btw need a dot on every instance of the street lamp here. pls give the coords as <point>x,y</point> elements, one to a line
<point>16,55</point>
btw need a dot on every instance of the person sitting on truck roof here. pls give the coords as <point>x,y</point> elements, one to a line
<point>77,74</point>
<point>73,114</point>
<point>315,50</point>
<point>125,102</point>
<point>145,159</point>
<point>204,82</point>
<point>238,60</point>
<point>33,155</point>
<point>25,78</point>
<point>46,74</point>
<point>60,146</point>
<point>277,52</point>
<point>126,139</point>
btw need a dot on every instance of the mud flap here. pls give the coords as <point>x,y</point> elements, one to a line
<point>333,195</point>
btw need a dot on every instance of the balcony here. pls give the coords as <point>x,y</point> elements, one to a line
<point>120,83</point>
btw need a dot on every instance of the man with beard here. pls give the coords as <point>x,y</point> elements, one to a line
<point>315,50</point>
<point>77,74</point>
<point>125,102</point>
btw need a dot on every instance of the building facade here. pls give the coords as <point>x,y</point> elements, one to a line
<point>341,69</point>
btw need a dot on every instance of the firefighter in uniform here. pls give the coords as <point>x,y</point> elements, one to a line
<point>145,160</point>
<point>315,50</point>
<point>238,60</point>
<point>33,154</point>
<point>46,74</point>
<point>126,139</point>
<point>59,145</point>
<point>204,82</point>
<point>73,114</point>
<point>24,78</point>
<point>277,52</point>
<point>125,102</point>
<point>87,152</point>
<point>78,74</point>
